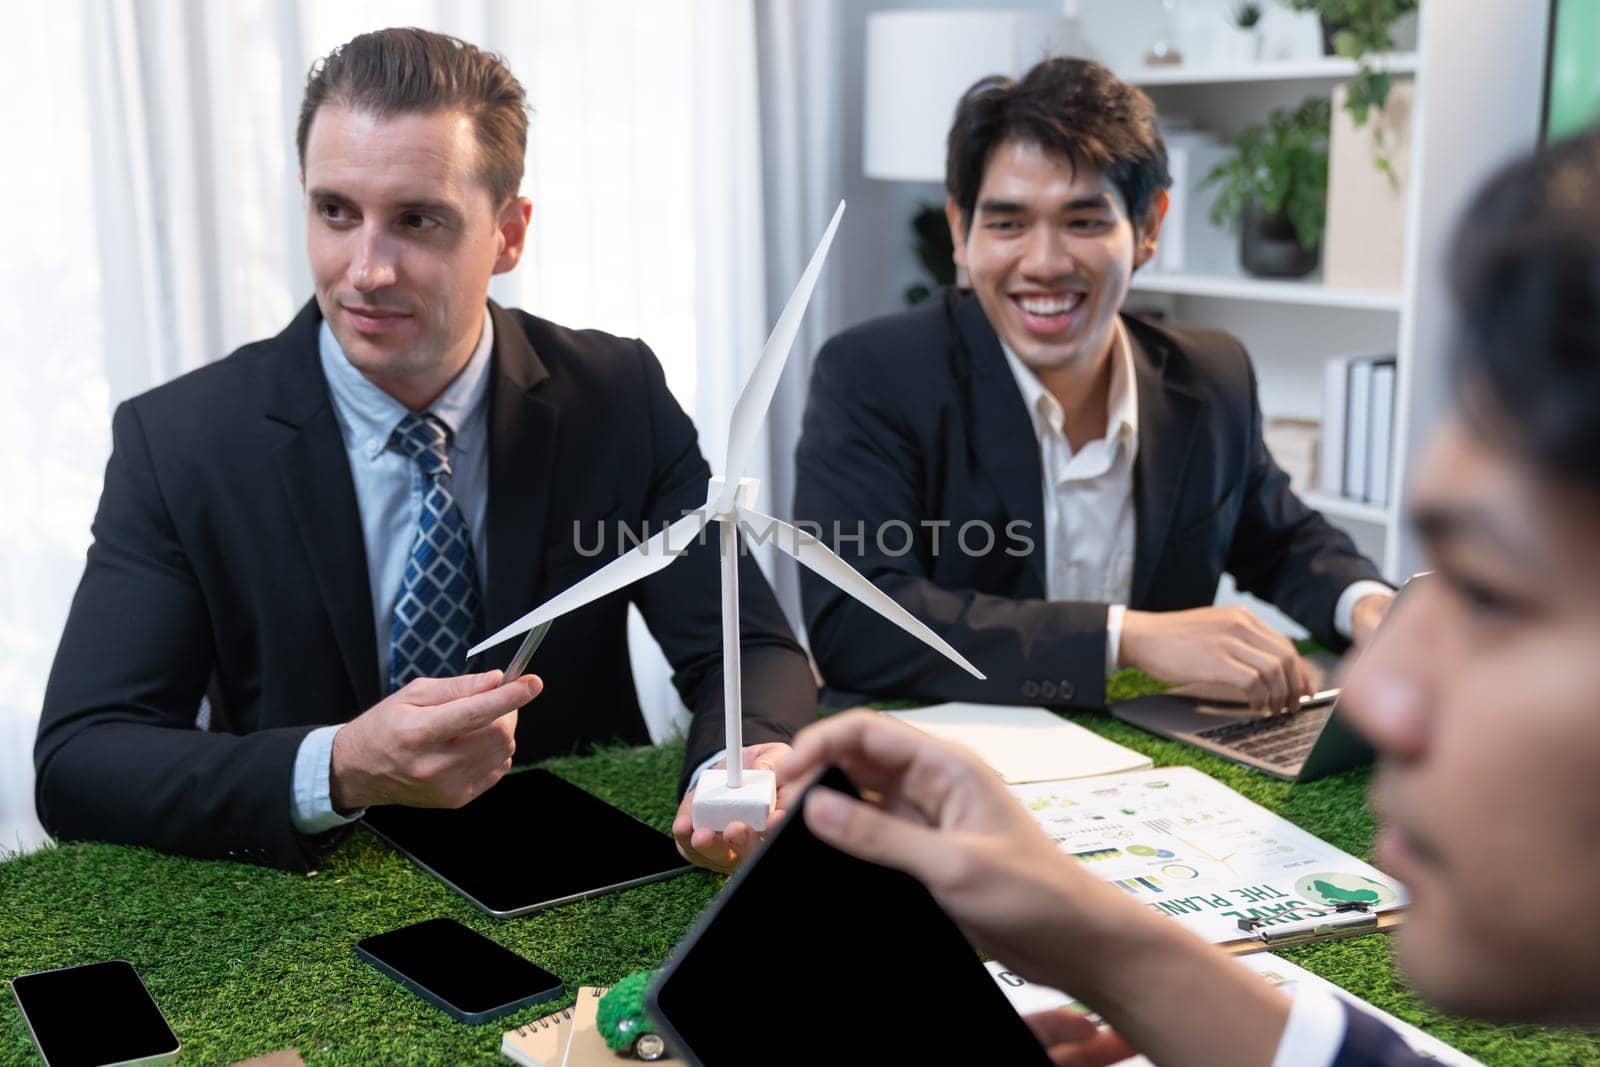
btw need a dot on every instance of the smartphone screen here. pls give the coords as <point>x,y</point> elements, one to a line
<point>96,1014</point>
<point>459,969</point>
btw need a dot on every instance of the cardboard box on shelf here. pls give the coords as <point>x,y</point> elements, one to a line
<point>1364,247</point>
<point>1293,443</point>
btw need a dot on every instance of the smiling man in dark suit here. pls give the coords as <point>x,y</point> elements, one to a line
<point>312,531</point>
<point>1051,484</point>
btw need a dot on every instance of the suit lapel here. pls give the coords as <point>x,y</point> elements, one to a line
<point>1168,417</point>
<point>522,434</point>
<point>322,499</point>
<point>1002,430</point>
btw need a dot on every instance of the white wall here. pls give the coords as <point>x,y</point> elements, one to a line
<point>877,251</point>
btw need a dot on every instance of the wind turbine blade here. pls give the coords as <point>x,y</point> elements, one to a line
<point>815,555</point>
<point>641,562</point>
<point>751,410</point>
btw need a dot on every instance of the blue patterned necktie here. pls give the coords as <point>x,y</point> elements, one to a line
<point>436,614</point>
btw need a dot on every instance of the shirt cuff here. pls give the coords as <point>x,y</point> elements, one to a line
<point>694,779</point>
<point>1344,611</point>
<point>1114,615</point>
<point>312,809</point>
<point>1314,1032</point>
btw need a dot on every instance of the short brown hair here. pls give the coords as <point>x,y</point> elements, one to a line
<point>411,71</point>
<point>1072,107</point>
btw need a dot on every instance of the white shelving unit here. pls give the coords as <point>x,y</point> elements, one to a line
<point>1338,507</point>
<point>1308,292</point>
<point>1477,66</point>
<point>1328,69</point>
<point>1477,69</point>
<point>1288,325</point>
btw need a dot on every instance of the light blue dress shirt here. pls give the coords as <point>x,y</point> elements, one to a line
<point>389,491</point>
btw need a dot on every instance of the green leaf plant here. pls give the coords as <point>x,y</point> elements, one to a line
<point>1359,30</point>
<point>1283,167</point>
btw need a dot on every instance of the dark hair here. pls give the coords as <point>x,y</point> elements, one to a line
<point>1073,107</point>
<point>411,71</point>
<point>1526,285</point>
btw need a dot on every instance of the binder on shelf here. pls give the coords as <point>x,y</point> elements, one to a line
<point>1358,428</point>
<point>1189,240</point>
<point>1380,453</point>
<point>1335,401</point>
<point>1169,251</point>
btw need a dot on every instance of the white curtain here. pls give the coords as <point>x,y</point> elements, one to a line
<point>53,353</point>
<point>802,100</point>
<point>161,219</point>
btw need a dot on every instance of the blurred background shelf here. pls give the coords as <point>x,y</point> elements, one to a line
<point>1339,507</point>
<point>1323,69</point>
<point>1307,291</point>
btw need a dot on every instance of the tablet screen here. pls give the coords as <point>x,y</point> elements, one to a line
<point>811,956</point>
<point>499,849</point>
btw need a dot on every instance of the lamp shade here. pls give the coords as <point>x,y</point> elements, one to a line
<point>920,62</point>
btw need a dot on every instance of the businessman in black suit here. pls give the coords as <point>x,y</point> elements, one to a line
<point>1481,697</point>
<point>323,522</point>
<point>1052,485</point>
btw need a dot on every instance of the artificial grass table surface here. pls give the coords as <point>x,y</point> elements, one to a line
<point>245,960</point>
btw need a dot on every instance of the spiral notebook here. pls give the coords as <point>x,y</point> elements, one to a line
<point>543,1042</point>
<point>568,1038</point>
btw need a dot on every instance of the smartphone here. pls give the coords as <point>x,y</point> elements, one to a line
<point>94,1015</point>
<point>458,969</point>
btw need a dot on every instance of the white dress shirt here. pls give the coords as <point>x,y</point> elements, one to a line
<point>1315,1030</point>
<point>1088,499</point>
<point>1088,494</point>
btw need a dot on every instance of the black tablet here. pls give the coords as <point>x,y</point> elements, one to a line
<point>811,956</point>
<point>531,841</point>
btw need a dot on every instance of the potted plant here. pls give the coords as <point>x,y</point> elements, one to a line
<point>1358,30</point>
<point>935,250</point>
<point>1274,188</point>
<point>1246,22</point>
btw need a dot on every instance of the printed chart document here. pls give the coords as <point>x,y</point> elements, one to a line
<point>1188,846</point>
<point>1025,744</point>
<point>1028,998</point>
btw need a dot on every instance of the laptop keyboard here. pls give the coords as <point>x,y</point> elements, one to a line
<point>1283,740</point>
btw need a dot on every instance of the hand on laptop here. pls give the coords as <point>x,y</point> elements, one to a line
<point>1218,646</point>
<point>723,851</point>
<point>433,743</point>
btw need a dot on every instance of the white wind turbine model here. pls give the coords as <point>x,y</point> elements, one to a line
<point>737,794</point>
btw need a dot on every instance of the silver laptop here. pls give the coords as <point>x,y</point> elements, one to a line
<point>1308,743</point>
